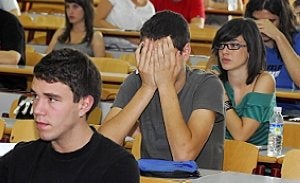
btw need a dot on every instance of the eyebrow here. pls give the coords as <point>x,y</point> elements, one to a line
<point>52,95</point>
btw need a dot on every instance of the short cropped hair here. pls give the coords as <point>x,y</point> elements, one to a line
<point>248,29</point>
<point>167,23</point>
<point>74,69</point>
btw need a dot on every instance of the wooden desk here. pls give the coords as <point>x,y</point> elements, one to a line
<point>229,177</point>
<point>107,77</point>
<point>223,12</point>
<point>288,93</point>
<point>27,4</point>
<point>198,36</point>
<point>221,177</point>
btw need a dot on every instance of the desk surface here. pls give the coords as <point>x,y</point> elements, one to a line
<point>288,93</point>
<point>231,177</point>
<point>223,12</point>
<point>28,70</point>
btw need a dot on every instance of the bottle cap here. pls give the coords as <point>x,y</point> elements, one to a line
<point>277,109</point>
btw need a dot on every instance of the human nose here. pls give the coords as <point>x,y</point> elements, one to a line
<point>38,107</point>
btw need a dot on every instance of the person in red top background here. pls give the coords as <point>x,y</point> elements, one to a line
<point>192,10</point>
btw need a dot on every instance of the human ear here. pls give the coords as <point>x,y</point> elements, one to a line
<point>186,51</point>
<point>86,104</point>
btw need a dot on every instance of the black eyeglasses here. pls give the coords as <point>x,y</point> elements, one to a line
<point>230,46</point>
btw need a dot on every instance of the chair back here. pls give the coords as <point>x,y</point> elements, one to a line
<point>136,146</point>
<point>2,128</point>
<point>24,130</point>
<point>13,106</point>
<point>50,21</point>
<point>239,156</point>
<point>32,57</point>
<point>291,165</point>
<point>95,126</point>
<point>291,134</point>
<point>129,57</point>
<point>95,116</point>
<point>115,65</point>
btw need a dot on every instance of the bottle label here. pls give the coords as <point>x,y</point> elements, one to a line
<point>276,129</point>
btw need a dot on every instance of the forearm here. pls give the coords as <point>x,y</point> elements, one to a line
<point>104,24</point>
<point>198,21</point>
<point>118,126</point>
<point>178,134</point>
<point>238,127</point>
<point>289,57</point>
<point>10,57</point>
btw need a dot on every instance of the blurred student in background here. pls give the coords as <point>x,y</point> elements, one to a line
<point>296,6</point>
<point>125,15</point>
<point>78,33</point>
<point>192,11</point>
<point>11,6</point>
<point>249,90</point>
<point>12,49</point>
<point>276,22</point>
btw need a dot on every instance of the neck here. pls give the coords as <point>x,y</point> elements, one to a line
<point>79,27</point>
<point>76,137</point>
<point>237,78</point>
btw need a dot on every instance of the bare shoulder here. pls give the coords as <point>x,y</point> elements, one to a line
<point>265,83</point>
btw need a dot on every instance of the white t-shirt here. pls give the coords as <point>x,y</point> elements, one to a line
<point>9,5</point>
<point>127,16</point>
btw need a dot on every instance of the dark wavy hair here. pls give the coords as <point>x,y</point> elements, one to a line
<point>87,6</point>
<point>74,69</point>
<point>248,29</point>
<point>167,23</point>
<point>281,8</point>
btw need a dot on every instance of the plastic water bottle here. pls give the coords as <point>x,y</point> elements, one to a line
<point>275,133</point>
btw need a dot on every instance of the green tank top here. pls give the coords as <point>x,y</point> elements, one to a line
<point>257,106</point>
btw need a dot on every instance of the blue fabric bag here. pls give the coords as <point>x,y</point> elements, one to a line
<point>168,169</point>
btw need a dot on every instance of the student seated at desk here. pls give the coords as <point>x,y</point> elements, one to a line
<point>12,50</point>
<point>125,15</point>
<point>78,33</point>
<point>178,116</point>
<point>276,23</point>
<point>250,91</point>
<point>66,87</point>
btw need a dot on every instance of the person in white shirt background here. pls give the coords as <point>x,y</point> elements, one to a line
<point>11,6</point>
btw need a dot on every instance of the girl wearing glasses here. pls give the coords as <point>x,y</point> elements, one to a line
<point>276,23</point>
<point>250,91</point>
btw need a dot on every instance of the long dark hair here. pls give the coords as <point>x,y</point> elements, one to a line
<point>255,46</point>
<point>281,8</point>
<point>87,6</point>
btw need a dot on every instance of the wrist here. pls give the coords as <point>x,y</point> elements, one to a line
<point>228,105</point>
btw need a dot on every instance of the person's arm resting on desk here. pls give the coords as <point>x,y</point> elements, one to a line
<point>10,57</point>
<point>103,9</point>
